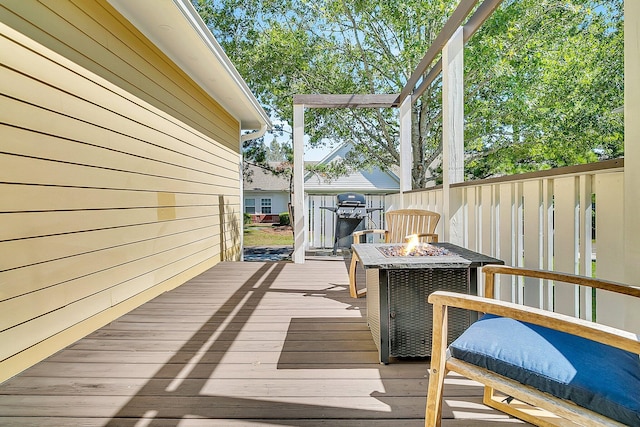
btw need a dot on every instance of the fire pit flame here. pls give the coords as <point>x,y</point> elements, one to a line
<point>412,244</point>
<point>414,249</point>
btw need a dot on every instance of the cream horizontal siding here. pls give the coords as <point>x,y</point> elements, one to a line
<point>21,198</point>
<point>105,199</point>
<point>52,223</point>
<point>95,36</point>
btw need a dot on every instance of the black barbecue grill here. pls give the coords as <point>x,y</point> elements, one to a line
<point>350,211</point>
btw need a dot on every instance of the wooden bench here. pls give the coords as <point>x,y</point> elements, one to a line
<point>559,369</point>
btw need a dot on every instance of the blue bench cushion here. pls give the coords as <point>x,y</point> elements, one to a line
<point>592,375</point>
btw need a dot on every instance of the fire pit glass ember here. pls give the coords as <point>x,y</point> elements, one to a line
<point>417,250</point>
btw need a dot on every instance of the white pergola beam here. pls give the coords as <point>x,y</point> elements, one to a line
<point>454,21</point>
<point>386,100</point>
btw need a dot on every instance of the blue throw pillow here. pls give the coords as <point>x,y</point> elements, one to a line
<point>592,375</point>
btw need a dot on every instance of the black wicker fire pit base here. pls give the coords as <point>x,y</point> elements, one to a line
<point>397,289</point>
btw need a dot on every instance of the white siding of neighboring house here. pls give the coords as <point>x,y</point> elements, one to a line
<point>279,201</point>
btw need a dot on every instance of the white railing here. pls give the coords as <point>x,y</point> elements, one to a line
<point>540,220</point>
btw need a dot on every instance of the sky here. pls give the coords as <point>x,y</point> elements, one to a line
<point>316,154</point>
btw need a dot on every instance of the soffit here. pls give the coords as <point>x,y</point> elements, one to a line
<point>175,27</point>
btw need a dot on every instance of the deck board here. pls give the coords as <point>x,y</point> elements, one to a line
<point>243,344</point>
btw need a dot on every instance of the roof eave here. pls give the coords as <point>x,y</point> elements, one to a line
<point>174,25</point>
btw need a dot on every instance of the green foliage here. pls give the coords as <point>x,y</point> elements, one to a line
<point>329,171</point>
<point>277,152</point>
<point>246,218</point>
<point>541,77</point>
<point>284,218</point>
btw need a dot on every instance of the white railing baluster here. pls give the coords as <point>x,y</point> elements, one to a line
<point>565,243</point>
<point>609,190</point>
<point>547,260</point>
<point>504,193</point>
<point>585,219</point>
<point>533,241</point>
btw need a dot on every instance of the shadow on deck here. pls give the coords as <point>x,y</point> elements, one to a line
<point>243,344</point>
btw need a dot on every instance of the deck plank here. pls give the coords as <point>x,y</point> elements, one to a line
<point>243,344</point>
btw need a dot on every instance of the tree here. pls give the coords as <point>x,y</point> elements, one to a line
<point>542,76</point>
<point>277,152</point>
<point>553,93</point>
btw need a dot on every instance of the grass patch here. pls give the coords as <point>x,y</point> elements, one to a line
<point>267,235</point>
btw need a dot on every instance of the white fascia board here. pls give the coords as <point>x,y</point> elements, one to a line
<point>175,27</point>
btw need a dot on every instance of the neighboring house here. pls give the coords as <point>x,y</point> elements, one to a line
<point>373,181</point>
<point>321,192</point>
<point>120,163</point>
<point>265,195</point>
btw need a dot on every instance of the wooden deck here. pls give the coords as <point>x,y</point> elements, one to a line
<point>244,344</point>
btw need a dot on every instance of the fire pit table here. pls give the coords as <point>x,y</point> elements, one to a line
<point>398,285</point>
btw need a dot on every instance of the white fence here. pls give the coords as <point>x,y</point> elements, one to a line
<point>541,220</point>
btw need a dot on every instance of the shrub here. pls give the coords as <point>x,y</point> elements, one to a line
<point>284,218</point>
<point>247,218</point>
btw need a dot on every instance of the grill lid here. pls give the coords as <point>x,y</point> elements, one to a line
<point>351,199</point>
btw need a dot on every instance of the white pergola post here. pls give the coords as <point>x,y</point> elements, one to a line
<point>614,309</point>
<point>406,154</point>
<point>631,158</point>
<point>452,133</point>
<point>299,213</point>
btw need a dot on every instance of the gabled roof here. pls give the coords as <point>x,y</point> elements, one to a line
<point>374,180</point>
<point>263,180</point>
<point>175,27</point>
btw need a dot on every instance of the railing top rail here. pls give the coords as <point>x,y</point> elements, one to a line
<point>605,165</point>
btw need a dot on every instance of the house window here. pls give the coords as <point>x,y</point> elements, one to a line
<point>250,206</point>
<point>266,206</point>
